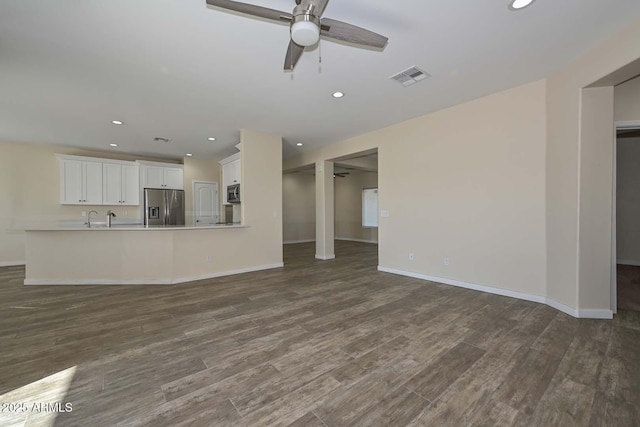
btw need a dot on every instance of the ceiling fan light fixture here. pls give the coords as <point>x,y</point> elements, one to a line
<point>305,33</point>
<point>519,4</point>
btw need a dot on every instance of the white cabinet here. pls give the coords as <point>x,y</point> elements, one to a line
<point>174,178</point>
<point>155,175</point>
<point>232,170</point>
<point>120,184</point>
<point>94,181</point>
<point>80,182</point>
<point>231,173</point>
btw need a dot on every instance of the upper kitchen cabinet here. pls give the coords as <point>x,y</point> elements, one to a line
<point>162,175</point>
<point>121,184</point>
<point>80,181</point>
<point>231,173</point>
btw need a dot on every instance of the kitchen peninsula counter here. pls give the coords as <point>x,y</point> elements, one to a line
<point>128,227</point>
<point>138,255</point>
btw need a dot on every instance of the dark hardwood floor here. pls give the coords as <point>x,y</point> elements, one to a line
<point>628,287</point>
<point>318,343</point>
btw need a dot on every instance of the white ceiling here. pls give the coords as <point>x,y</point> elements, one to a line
<point>181,70</point>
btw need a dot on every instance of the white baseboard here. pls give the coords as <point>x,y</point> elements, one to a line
<point>467,285</point>
<point>90,282</point>
<point>561,307</point>
<point>150,282</point>
<point>628,262</point>
<point>356,240</point>
<point>11,263</point>
<point>589,314</point>
<point>292,242</point>
<point>595,314</point>
<point>325,258</point>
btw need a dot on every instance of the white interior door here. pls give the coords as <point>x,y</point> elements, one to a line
<point>205,203</point>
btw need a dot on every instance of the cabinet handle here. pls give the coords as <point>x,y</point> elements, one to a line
<point>80,200</point>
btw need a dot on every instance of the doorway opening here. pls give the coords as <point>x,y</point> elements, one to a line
<point>354,177</point>
<point>626,218</point>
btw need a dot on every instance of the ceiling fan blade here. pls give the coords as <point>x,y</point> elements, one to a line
<point>294,52</point>
<point>251,9</point>
<point>350,33</point>
<point>321,5</point>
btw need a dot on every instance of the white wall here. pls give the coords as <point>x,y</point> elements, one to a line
<point>348,206</point>
<point>299,207</point>
<point>465,183</point>
<point>578,218</point>
<point>628,201</point>
<point>627,101</point>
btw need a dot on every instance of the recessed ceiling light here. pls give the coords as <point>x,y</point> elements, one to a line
<point>113,145</point>
<point>117,122</point>
<point>299,144</point>
<point>211,138</point>
<point>337,94</point>
<point>519,4</point>
<point>189,154</point>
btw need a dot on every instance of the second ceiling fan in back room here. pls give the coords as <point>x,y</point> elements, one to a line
<point>307,26</point>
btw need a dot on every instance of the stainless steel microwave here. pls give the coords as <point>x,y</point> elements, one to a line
<point>233,193</point>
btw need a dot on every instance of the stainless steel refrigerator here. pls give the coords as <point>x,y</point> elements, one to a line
<point>163,207</point>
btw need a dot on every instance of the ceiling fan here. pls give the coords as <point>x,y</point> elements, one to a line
<point>307,26</point>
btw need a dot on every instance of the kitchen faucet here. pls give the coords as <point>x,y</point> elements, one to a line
<point>89,216</point>
<point>110,215</point>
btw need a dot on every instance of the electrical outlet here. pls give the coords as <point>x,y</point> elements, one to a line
<point>208,258</point>
<point>411,256</point>
<point>384,214</point>
<point>83,213</point>
<point>445,261</point>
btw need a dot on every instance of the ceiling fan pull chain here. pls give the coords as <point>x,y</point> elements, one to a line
<point>319,57</point>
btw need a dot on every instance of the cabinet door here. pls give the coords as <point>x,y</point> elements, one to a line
<point>173,178</point>
<point>92,181</point>
<point>153,177</point>
<point>111,184</point>
<point>71,182</point>
<point>235,171</point>
<point>130,185</point>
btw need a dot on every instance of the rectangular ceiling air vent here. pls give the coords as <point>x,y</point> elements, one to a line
<point>161,139</point>
<point>410,76</point>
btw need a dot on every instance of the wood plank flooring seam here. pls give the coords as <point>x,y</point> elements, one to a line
<point>316,415</point>
<point>235,407</point>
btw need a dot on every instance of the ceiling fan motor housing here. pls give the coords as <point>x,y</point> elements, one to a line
<point>305,26</point>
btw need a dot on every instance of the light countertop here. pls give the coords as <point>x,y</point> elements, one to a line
<point>127,227</point>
